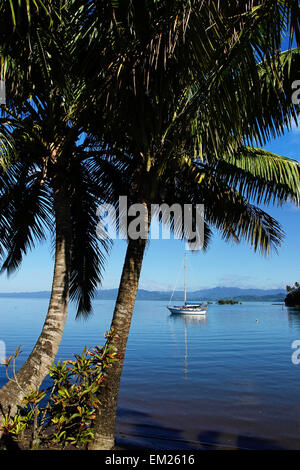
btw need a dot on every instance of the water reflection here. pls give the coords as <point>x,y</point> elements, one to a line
<point>293,317</point>
<point>199,320</point>
<point>240,388</point>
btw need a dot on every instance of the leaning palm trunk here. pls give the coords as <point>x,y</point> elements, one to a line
<point>35,369</point>
<point>104,424</point>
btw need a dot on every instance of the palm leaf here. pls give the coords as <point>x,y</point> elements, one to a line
<point>25,214</point>
<point>88,252</point>
<point>262,176</point>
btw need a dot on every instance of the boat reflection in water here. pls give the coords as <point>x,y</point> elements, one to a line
<point>178,317</point>
<point>195,319</point>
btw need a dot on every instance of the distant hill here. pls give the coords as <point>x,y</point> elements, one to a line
<point>32,295</point>
<point>261,298</point>
<point>213,294</point>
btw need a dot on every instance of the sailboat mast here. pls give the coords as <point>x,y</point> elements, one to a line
<point>184,278</point>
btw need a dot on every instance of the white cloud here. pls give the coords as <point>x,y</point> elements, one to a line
<point>235,280</point>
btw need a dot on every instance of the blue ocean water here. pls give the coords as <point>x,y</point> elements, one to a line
<point>226,380</point>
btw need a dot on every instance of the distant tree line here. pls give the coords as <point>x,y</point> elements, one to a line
<point>227,301</point>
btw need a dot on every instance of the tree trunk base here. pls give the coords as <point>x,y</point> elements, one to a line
<point>102,443</point>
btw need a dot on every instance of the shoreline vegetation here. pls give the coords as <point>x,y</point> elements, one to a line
<point>61,416</point>
<point>292,298</point>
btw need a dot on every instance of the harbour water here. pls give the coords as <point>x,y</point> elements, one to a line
<point>228,380</point>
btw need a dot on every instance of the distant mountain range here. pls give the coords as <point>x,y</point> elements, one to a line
<point>213,294</point>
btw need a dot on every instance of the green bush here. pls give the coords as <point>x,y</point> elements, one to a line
<point>72,401</point>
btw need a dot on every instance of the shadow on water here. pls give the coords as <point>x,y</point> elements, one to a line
<point>215,439</point>
<point>144,433</point>
<point>138,430</point>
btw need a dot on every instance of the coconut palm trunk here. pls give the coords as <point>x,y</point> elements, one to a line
<point>104,424</point>
<point>35,369</point>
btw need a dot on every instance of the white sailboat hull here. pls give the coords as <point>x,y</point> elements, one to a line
<point>188,310</point>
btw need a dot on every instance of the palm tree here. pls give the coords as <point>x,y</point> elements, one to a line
<point>197,87</point>
<point>161,81</point>
<point>47,181</point>
<point>226,190</point>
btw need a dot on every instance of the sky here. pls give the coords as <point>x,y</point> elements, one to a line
<point>224,264</point>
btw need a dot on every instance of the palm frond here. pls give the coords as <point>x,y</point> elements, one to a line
<point>88,251</point>
<point>262,176</point>
<point>25,215</point>
<point>7,149</point>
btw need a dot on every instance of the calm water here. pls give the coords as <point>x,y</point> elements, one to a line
<point>225,380</point>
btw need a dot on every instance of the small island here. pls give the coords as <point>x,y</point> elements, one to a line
<point>227,302</point>
<point>292,298</point>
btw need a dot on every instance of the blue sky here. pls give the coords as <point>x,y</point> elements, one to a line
<point>224,264</point>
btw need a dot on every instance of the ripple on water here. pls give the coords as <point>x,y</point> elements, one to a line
<point>225,380</point>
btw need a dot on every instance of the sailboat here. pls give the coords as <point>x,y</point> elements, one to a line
<point>188,308</point>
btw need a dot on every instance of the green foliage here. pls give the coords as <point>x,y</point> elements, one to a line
<point>293,297</point>
<point>172,96</point>
<point>40,129</point>
<point>72,401</point>
<point>17,424</point>
<point>205,86</point>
